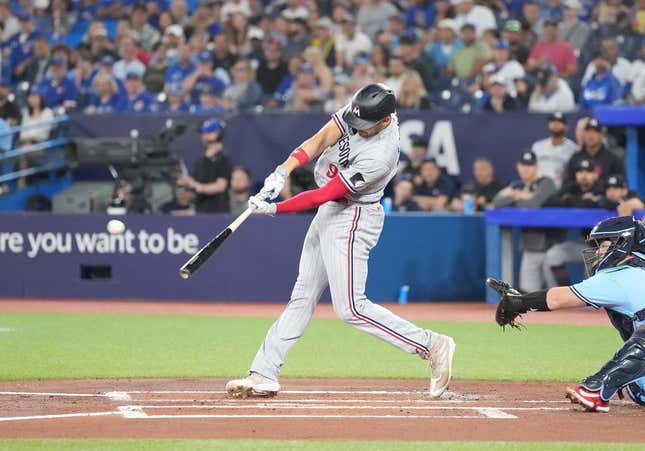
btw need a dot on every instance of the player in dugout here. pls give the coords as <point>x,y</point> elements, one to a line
<point>616,267</point>
<point>358,154</point>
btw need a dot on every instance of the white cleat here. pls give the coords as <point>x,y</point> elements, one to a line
<point>252,385</point>
<point>440,358</point>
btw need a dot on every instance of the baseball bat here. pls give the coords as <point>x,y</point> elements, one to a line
<point>202,256</point>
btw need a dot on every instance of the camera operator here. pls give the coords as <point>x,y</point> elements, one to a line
<point>212,174</point>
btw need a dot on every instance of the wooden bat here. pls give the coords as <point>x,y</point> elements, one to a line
<point>197,260</point>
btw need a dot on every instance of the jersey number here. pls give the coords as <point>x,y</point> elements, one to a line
<point>332,171</point>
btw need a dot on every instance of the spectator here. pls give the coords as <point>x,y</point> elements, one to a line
<point>244,93</point>
<point>442,50</point>
<point>552,51</point>
<point>241,184</point>
<point>404,196</point>
<point>524,90</point>
<point>179,12</point>
<point>637,93</point>
<point>617,193</point>
<point>184,66</point>
<point>212,174</point>
<point>9,111</point>
<point>618,66</point>
<point>36,111</point>
<point>553,153</point>
<point>481,17</point>
<point>572,30</point>
<point>106,66</point>
<point>340,94</point>
<point>551,93</point>
<point>298,38</point>
<point>100,44</point>
<point>416,157</point>
<point>519,50</point>
<point>144,32</point>
<point>497,99</point>
<point>129,62</point>
<point>606,163</point>
<point>531,191</point>
<point>272,68</point>
<point>483,189</point>
<point>410,52</point>
<point>83,74</point>
<point>10,23</point>
<point>435,188</point>
<point>209,102</point>
<point>176,101</point>
<point>202,78</point>
<point>602,88</point>
<point>323,74</point>
<point>350,42</point>
<point>305,94</point>
<point>20,46</point>
<point>182,203</point>
<point>509,69</point>
<point>173,38</point>
<point>373,16</point>
<point>552,10</point>
<point>254,48</point>
<point>155,76</point>
<point>412,94</point>
<point>222,55</point>
<point>396,70</point>
<point>202,17</point>
<point>37,65</point>
<point>139,100</point>
<point>324,39</point>
<point>58,90</point>
<point>584,191</point>
<point>532,16</point>
<point>469,59</point>
<point>105,97</point>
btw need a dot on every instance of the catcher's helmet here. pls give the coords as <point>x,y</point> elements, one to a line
<point>369,105</point>
<point>626,236</point>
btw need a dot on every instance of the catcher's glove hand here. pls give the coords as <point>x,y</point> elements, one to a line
<point>510,306</point>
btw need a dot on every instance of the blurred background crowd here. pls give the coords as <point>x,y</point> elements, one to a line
<point>212,56</point>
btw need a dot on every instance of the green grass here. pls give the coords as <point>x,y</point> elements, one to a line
<point>282,445</point>
<point>51,346</point>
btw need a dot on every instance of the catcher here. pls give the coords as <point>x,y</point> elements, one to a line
<point>615,266</point>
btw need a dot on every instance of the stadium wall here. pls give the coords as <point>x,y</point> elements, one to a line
<point>441,257</point>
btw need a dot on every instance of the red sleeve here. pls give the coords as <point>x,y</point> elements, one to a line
<point>333,190</point>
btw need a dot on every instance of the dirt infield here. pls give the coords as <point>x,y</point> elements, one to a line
<point>419,311</point>
<point>307,408</point>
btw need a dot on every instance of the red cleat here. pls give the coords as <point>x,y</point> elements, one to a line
<point>590,400</point>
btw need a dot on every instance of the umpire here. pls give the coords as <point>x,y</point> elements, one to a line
<point>212,174</point>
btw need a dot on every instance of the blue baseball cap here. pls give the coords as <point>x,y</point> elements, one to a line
<point>210,126</point>
<point>23,16</point>
<point>133,75</point>
<point>107,60</point>
<point>361,58</point>
<point>204,56</point>
<point>502,44</point>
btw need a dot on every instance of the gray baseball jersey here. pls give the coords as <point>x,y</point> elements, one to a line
<point>552,160</point>
<point>336,251</point>
<point>366,165</point>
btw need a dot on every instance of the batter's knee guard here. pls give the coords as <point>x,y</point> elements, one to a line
<point>626,367</point>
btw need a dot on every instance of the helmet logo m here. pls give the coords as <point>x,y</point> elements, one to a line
<point>356,110</point>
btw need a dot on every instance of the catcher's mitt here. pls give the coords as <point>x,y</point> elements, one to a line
<point>510,307</point>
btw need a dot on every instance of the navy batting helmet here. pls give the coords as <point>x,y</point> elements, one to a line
<point>369,105</point>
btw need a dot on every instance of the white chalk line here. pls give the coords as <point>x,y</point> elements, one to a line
<point>118,396</point>
<point>358,401</point>
<point>60,415</point>
<point>295,406</point>
<point>132,412</point>
<point>28,393</point>
<point>309,416</point>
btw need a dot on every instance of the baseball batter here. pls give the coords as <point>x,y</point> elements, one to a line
<point>358,153</point>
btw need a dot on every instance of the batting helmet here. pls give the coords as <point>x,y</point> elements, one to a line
<point>369,105</point>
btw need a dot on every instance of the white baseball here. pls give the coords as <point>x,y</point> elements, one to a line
<point>115,227</point>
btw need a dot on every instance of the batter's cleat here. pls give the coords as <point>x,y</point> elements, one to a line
<point>590,400</point>
<point>253,385</point>
<point>440,360</point>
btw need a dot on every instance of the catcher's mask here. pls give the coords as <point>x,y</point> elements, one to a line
<point>612,240</point>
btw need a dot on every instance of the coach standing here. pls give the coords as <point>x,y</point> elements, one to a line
<point>212,174</point>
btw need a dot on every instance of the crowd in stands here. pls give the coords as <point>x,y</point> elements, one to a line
<point>212,56</point>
